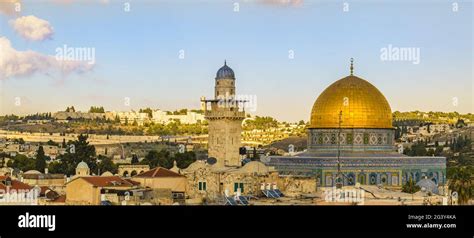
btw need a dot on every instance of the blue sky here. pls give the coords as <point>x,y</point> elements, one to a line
<point>137,53</point>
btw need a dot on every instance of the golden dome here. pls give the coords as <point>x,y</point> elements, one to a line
<point>362,106</point>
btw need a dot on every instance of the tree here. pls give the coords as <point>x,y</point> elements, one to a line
<point>398,133</point>
<point>261,123</point>
<point>40,159</point>
<point>134,159</point>
<point>78,150</point>
<point>417,149</point>
<point>460,181</point>
<point>19,141</point>
<point>56,167</point>
<point>183,160</point>
<point>96,109</point>
<point>3,155</point>
<point>410,187</point>
<point>106,164</point>
<point>158,159</point>
<point>70,109</point>
<point>147,111</point>
<point>51,142</point>
<point>22,162</point>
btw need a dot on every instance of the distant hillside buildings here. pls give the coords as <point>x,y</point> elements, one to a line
<point>157,116</point>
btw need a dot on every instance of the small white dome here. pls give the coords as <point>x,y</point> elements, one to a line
<point>82,165</point>
<point>106,174</point>
<point>195,166</point>
<point>32,172</point>
<point>255,167</point>
<point>428,185</point>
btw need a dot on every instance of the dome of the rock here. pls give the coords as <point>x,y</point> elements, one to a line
<point>360,104</point>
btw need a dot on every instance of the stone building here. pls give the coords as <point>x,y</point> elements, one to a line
<point>14,192</point>
<point>164,117</point>
<point>107,189</point>
<point>210,183</point>
<point>161,178</point>
<point>92,190</point>
<point>55,182</point>
<point>225,120</point>
<point>211,180</point>
<point>130,170</point>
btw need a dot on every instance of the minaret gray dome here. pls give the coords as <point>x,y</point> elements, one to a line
<point>225,72</point>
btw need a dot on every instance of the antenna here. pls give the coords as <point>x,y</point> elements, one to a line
<point>352,66</point>
<point>211,160</point>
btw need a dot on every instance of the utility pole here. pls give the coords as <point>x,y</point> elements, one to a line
<point>339,179</point>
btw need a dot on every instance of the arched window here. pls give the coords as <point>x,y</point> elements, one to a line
<point>373,179</point>
<point>416,176</point>
<point>134,172</point>
<point>384,179</point>
<point>328,180</point>
<point>351,179</point>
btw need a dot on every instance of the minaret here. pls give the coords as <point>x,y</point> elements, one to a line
<point>225,120</point>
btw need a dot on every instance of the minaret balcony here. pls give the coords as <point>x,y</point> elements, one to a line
<point>233,115</point>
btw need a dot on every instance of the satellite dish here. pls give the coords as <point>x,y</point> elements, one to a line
<point>211,160</point>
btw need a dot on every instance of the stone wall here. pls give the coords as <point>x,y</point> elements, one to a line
<point>294,186</point>
<point>224,141</point>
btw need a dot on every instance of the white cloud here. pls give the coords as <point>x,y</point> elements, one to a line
<point>32,28</point>
<point>14,63</point>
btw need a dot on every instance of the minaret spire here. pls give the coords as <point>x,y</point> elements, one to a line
<point>352,66</point>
